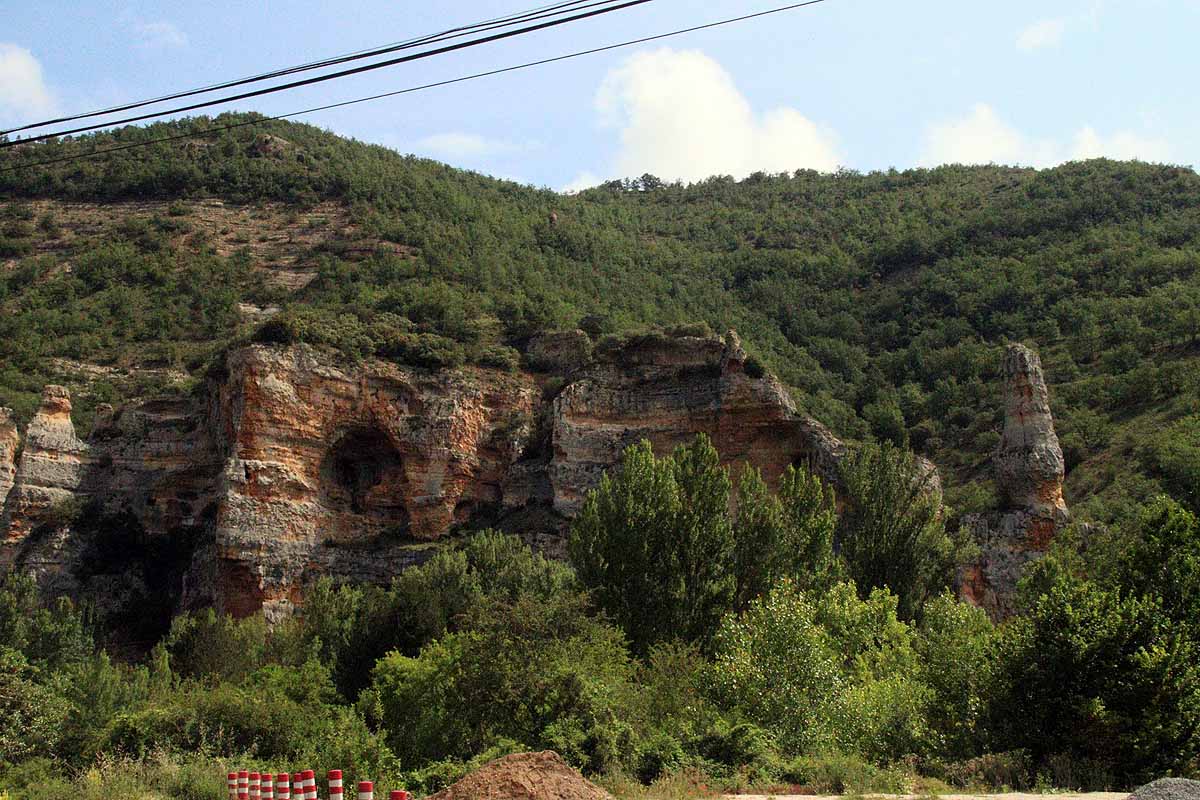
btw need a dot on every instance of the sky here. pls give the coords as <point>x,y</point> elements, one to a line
<point>860,84</point>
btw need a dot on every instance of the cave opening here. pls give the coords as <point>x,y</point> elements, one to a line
<point>363,473</point>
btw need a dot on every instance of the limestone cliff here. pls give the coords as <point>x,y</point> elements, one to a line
<point>293,465</point>
<point>667,391</point>
<point>1029,471</point>
<point>50,467</point>
<point>10,442</point>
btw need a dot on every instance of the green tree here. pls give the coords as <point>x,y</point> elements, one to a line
<point>891,532</point>
<point>529,673</point>
<point>655,544</point>
<point>1100,679</point>
<point>788,534</point>
<point>777,665</point>
<point>955,645</point>
<point>1164,562</point>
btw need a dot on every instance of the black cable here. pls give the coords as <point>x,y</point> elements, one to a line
<point>527,65</point>
<point>452,33</point>
<point>333,75</point>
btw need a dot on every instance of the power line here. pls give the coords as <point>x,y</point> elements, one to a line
<point>452,33</point>
<point>333,75</point>
<point>489,73</point>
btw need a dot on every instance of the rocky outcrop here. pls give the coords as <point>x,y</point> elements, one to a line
<point>51,466</point>
<point>10,442</point>
<point>1029,472</point>
<point>293,465</point>
<point>1029,462</point>
<point>348,473</point>
<point>667,391</point>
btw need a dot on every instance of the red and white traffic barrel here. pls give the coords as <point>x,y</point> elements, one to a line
<point>254,785</point>
<point>366,790</point>
<point>231,784</point>
<point>281,786</point>
<point>243,785</point>
<point>267,786</point>
<point>335,784</point>
<point>397,794</point>
<point>310,785</point>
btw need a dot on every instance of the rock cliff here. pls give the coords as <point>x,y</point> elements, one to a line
<point>50,467</point>
<point>1029,471</point>
<point>10,442</point>
<point>667,391</point>
<point>291,465</point>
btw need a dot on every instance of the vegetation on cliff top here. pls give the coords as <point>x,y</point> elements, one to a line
<point>883,298</point>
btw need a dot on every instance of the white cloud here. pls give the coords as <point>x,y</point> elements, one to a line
<point>1121,145</point>
<point>160,35</point>
<point>1043,33</point>
<point>584,180</point>
<point>24,95</point>
<point>466,145</point>
<point>680,115</point>
<point>982,137</point>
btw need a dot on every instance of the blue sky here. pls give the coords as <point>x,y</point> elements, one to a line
<point>865,84</point>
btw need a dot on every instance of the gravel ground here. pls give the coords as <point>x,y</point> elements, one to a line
<point>1168,789</point>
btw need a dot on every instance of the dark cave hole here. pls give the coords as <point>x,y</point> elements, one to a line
<point>364,473</point>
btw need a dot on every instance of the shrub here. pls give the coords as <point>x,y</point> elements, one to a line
<point>499,357</point>
<point>474,689</point>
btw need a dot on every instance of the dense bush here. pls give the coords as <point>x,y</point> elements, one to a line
<point>488,648</point>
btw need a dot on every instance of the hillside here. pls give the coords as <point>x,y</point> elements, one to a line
<point>883,299</point>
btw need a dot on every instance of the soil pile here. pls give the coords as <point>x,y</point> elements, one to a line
<point>1168,789</point>
<point>525,776</point>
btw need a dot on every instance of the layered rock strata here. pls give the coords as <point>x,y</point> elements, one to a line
<point>1029,470</point>
<point>348,473</point>
<point>292,466</point>
<point>50,468</point>
<point>667,391</point>
<point>10,442</point>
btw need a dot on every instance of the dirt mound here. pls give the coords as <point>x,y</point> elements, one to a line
<point>524,776</point>
<point>1168,789</point>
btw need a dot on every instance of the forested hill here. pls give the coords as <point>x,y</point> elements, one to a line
<point>883,298</point>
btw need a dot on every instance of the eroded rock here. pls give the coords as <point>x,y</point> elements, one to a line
<point>50,469</point>
<point>1029,471</point>
<point>293,465</point>
<point>10,442</point>
<point>1028,461</point>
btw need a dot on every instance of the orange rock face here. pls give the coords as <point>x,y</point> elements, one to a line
<point>345,472</point>
<point>296,466</point>
<point>10,442</point>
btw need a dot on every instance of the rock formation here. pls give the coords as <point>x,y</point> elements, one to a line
<point>667,391</point>
<point>293,465</point>
<point>10,442</point>
<point>1029,462</point>
<point>346,473</point>
<point>1029,472</point>
<point>51,465</point>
